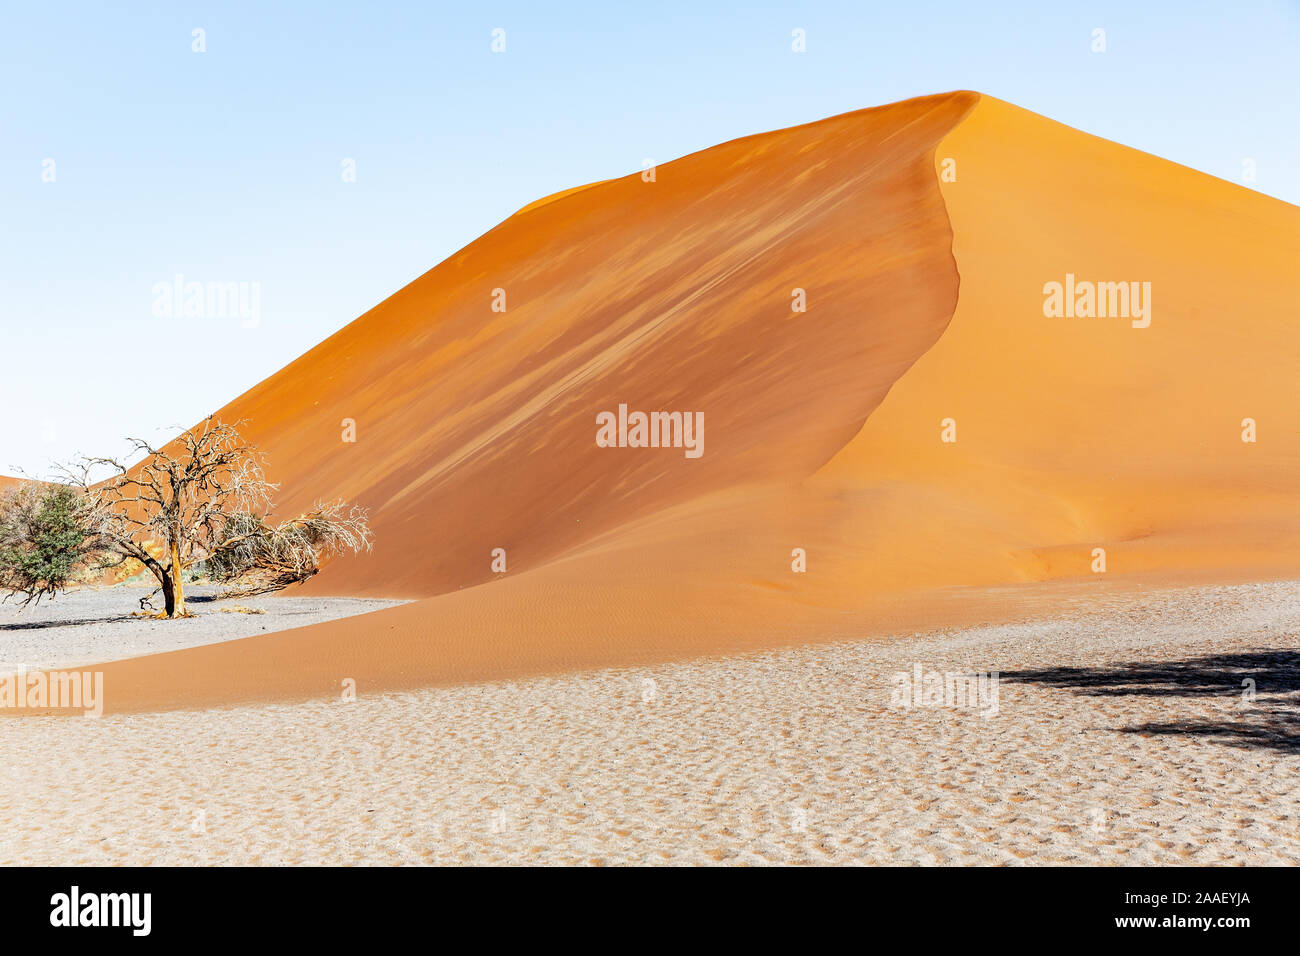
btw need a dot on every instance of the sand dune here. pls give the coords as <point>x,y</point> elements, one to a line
<point>476,429</point>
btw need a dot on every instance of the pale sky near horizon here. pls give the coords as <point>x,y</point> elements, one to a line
<point>226,165</point>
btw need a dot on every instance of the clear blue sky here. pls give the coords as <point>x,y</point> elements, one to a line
<point>226,166</point>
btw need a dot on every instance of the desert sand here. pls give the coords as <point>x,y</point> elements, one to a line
<point>1122,737</point>
<point>94,625</point>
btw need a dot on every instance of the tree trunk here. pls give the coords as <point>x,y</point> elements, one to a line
<point>169,595</point>
<point>176,594</point>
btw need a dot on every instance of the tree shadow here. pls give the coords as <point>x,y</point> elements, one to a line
<point>155,603</point>
<point>1267,683</point>
<point>64,622</point>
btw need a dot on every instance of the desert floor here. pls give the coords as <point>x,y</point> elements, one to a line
<point>1124,735</point>
<point>93,626</point>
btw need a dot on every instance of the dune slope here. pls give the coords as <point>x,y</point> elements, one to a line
<point>476,429</point>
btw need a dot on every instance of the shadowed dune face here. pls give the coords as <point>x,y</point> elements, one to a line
<point>476,430</point>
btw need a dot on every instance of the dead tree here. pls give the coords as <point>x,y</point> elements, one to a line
<point>204,499</point>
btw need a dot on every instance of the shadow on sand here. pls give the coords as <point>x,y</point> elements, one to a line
<point>63,622</point>
<point>125,615</point>
<point>1270,720</point>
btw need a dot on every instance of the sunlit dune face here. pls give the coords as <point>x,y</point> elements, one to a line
<point>1170,440</point>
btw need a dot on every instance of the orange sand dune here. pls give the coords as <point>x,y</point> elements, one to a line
<point>476,429</point>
